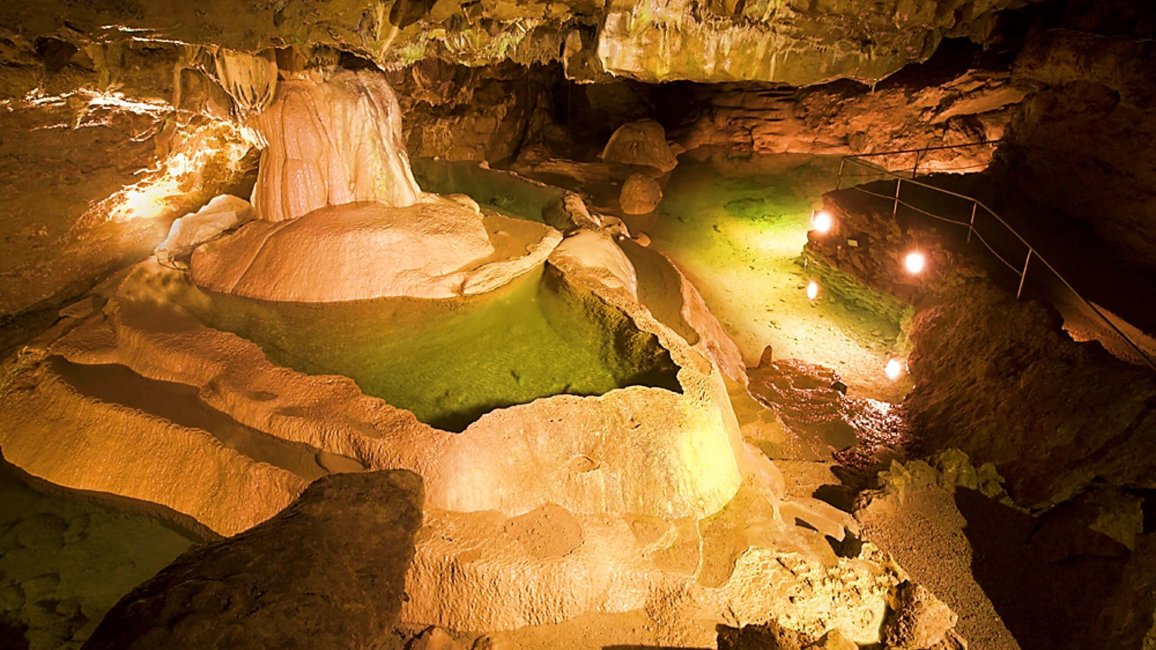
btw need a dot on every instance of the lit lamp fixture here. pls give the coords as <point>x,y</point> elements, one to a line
<point>914,262</point>
<point>812,290</point>
<point>822,222</point>
<point>894,369</point>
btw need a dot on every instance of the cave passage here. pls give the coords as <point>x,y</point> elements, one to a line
<point>738,232</point>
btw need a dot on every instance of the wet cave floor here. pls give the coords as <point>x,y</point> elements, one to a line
<point>738,231</point>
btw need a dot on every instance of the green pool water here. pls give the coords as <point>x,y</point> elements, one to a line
<point>67,556</point>
<point>451,361</point>
<point>737,228</point>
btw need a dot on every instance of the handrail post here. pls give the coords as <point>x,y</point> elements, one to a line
<point>971,230</point>
<point>1024,273</point>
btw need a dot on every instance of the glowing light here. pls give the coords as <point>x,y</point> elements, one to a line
<point>894,369</point>
<point>812,290</point>
<point>175,176</point>
<point>914,262</point>
<point>822,222</point>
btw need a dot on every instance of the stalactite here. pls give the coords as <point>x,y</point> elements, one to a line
<point>250,79</point>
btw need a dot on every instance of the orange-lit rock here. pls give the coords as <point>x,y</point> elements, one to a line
<point>642,144</point>
<point>332,142</point>
<point>436,248</point>
<point>640,195</point>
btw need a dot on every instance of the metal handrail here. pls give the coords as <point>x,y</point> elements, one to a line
<point>976,204</point>
<point>896,152</point>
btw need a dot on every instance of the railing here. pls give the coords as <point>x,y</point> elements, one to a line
<point>973,208</point>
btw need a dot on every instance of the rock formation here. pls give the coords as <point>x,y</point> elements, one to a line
<point>330,144</point>
<point>640,195</point>
<point>650,500</point>
<point>640,144</point>
<point>330,568</point>
<point>625,501</point>
<point>434,249</point>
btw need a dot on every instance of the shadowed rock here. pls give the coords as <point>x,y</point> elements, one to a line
<point>328,572</point>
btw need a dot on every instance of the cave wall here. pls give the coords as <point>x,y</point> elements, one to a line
<point>456,112</point>
<point>101,146</point>
<point>995,376</point>
<point>1082,143</point>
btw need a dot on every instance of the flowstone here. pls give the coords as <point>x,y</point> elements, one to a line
<point>640,498</point>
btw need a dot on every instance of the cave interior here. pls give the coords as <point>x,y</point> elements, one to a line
<point>478,324</point>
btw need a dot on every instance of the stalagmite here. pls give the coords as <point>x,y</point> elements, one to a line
<point>331,143</point>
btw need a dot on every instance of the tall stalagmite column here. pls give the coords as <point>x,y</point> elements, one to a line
<point>332,142</point>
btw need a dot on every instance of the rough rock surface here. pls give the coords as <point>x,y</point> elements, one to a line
<point>920,620</point>
<point>799,44</point>
<point>658,40</point>
<point>640,195</point>
<point>926,536</point>
<point>456,112</point>
<point>1079,142</point>
<point>641,144</point>
<point>331,143</point>
<point>95,167</point>
<point>1016,382</point>
<point>975,106</point>
<point>994,376</point>
<point>327,572</point>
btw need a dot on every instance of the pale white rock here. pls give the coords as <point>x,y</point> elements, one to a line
<point>222,213</point>
<point>632,450</point>
<point>569,212</point>
<point>535,514</point>
<point>602,257</point>
<point>329,143</point>
<point>436,248</point>
<point>250,79</point>
<point>673,299</point>
<point>114,449</point>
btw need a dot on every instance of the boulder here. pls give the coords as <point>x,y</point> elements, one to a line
<point>223,213</point>
<point>601,257</point>
<point>434,638</point>
<point>920,620</point>
<point>641,143</point>
<point>330,569</point>
<point>640,195</point>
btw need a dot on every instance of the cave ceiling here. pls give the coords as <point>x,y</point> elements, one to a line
<point>798,42</point>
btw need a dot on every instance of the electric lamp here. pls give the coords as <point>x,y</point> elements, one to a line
<point>822,222</point>
<point>914,262</point>
<point>894,369</point>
